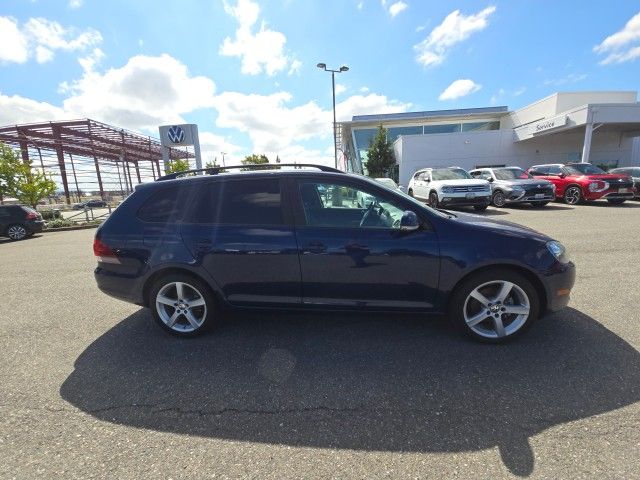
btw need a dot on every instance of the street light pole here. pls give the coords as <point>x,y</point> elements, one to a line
<point>343,68</point>
<point>223,154</point>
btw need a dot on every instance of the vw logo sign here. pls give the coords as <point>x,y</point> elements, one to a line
<point>176,134</point>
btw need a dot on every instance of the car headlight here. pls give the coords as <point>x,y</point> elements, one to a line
<point>447,189</point>
<point>517,189</point>
<point>558,250</point>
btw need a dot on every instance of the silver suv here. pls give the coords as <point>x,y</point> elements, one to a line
<point>450,186</point>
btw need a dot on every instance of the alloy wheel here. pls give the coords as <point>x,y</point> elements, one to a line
<point>496,309</point>
<point>17,232</point>
<point>498,199</point>
<point>181,307</point>
<point>572,195</point>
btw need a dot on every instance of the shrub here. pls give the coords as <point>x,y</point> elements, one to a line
<point>50,214</point>
<point>59,223</point>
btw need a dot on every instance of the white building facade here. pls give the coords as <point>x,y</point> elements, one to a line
<point>598,127</point>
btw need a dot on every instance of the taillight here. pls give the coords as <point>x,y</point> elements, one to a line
<point>32,215</point>
<point>104,252</point>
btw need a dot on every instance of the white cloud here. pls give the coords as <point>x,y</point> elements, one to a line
<point>360,5</point>
<point>455,28</point>
<point>41,37</point>
<point>364,89</point>
<point>75,3</point>
<point>571,78</point>
<point>13,44</point>
<point>621,57</point>
<point>259,51</point>
<point>396,8</point>
<point>459,88</point>
<point>340,88</point>
<point>16,109</point>
<point>273,125</point>
<point>295,67</point>
<point>630,33</point>
<point>144,93</point>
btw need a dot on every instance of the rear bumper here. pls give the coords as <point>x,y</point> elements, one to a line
<point>35,226</point>
<point>122,287</point>
<point>558,283</point>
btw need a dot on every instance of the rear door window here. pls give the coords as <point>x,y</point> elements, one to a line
<point>240,202</point>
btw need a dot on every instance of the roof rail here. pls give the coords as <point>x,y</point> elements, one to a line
<point>258,166</point>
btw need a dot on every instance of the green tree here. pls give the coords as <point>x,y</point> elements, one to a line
<point>213,164</point>
<point>19,180</point>
<point>178,165</point>
<point>255,159</point>
<point>380,157</point>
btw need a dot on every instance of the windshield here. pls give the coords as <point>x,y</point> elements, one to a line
<point>511,173</point>
<point>449,174</point>
<point>583,169</point>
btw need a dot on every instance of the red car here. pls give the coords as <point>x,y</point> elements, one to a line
<point>576,182</point>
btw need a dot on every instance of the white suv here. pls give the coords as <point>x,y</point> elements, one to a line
<point>451,186</point>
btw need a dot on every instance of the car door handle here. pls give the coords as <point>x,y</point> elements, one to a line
<point>315,247</point>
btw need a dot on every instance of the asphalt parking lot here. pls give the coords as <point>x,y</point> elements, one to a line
<point>89,387</point>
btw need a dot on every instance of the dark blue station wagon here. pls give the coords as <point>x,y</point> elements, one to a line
<point>316,238</point>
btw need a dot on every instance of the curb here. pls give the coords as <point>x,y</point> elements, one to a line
<point>68,229</point>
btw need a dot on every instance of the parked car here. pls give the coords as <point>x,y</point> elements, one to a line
<point>96,204</point>
<point>451,186</point>
<point>576,182</point>
<point>387,182</point>
<point>634,173</point>
<point>18,221</point>
<point>514,185</point>
<point>190,248</point>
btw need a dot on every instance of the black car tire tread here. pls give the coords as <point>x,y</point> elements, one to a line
<point>433,203</point>
<point>458,297</point>
<point>212,307</point>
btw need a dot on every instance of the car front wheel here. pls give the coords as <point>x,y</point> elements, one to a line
<point>572,195</point>
<point>433,200</point>
<point>498,199</point>
<point>494,306</point>
<point>182,305</point>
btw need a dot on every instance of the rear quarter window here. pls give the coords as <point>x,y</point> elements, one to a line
<point>166,205</point>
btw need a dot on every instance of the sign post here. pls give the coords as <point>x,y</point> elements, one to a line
<point>179,136</point>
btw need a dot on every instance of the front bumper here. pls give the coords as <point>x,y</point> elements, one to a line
<point>611,194</point>
<point>530,196</point>
<point>558,283</point>
<point>449,201</point>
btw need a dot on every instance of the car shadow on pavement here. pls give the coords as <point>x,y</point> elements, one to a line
<point>379,383</point>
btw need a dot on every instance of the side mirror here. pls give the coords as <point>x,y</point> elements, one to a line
<point>409,221</point>
<point>562,175</point>
<point>490,179</point>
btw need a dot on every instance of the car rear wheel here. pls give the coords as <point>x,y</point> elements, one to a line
<point>17,232</point>
<point>494,306</point>
<point>433,200</point>
<point>498,199</point>
<point>617,201</point>
<point>182,305</point>
<point>572,195</point>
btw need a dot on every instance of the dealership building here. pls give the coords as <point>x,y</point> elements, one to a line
<point>596,127</point>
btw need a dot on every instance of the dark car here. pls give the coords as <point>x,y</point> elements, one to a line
<point>96,204</point>
<point>578,182</point>
<point>191,247</point>
<point>18,222</point>
<point>634,173</point>
<point>514,185</point>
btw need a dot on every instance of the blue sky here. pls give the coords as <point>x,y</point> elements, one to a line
<point>245,70</point>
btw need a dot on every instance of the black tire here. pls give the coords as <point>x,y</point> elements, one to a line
<point>410,192</point>
<point>539,204</point>
<point>433,200</point>
<point>210,315</point>
<point>573,195</point>
<point>498,199</point>
<point>17,231</point>
<point>617,201</point>
<point>458,302</point>
<point>480,208</point>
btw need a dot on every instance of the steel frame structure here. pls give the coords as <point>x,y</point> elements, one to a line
<point>89,151</point>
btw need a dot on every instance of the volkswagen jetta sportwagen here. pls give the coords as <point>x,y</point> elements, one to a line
<point>190,248</point>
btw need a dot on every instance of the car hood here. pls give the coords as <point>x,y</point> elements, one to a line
<point>498,226</point>
<point>605,176</point>
<point>524,181</point>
